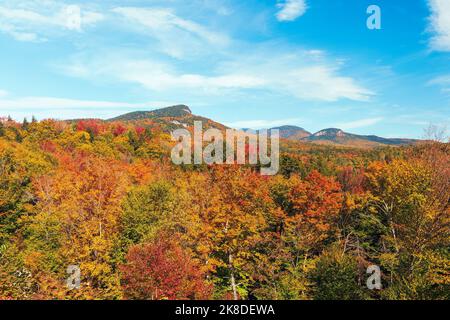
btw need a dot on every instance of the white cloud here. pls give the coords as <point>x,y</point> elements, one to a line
<point>51,107</point>
<point>440,25</point>
<point>300,75</point>
<point>61,103</point>
<point>306,75</point>
<point>3,93</point>
<point>290,10</point>
<point>177,36</point>
<point>157,75</point>
<point>34,21</point>
<point>322,82</point>
<point>262,124</point>
<point>359,123</point>
<point>442,81</point>
<point>160,77</point>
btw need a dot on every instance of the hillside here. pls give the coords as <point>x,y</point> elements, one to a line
<point>181,116</point>
<point>169,112</point>
<point>293,132</point>
<point>334,136</point>
<point>168,119</point>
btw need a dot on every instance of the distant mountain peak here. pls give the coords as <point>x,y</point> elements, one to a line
<point>330,132</point>
<point>292,132</point>
<point>339,137</point>
<point>168,119</point>
<point>180,110</point>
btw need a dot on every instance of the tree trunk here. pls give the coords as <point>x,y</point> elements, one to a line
<point>233,280</point>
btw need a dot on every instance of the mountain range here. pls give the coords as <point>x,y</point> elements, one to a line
<point>336,136</point>
<point>180,116</point>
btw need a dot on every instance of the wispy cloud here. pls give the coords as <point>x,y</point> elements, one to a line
<point>290,10</point>
<point>52,102</point>
<point>442,81</point>
<point>3,93</point>
<point>301,75</point>
<point>361,123</point>
<point>41,107</point>
<point>36,20</point>
<point>440,25</point>
<point>177,36</point>
<point>159,76</point>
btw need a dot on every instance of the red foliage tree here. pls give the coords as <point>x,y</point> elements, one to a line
<point>92,126</point>
<point>162,270</point>
<point>48,146</point>
<point>316,202</point>
<point>140,131</point>
<point>351,180</point>
<point>119,129</point>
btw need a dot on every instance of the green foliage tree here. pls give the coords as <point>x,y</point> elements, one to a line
<point>336,277</point>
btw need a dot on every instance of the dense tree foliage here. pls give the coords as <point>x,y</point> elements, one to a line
<point>106,198</point>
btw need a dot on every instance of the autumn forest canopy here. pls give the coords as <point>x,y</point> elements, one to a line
<point>105,196</point>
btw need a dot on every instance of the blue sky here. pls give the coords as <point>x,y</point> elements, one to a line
<point>253,63</point>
